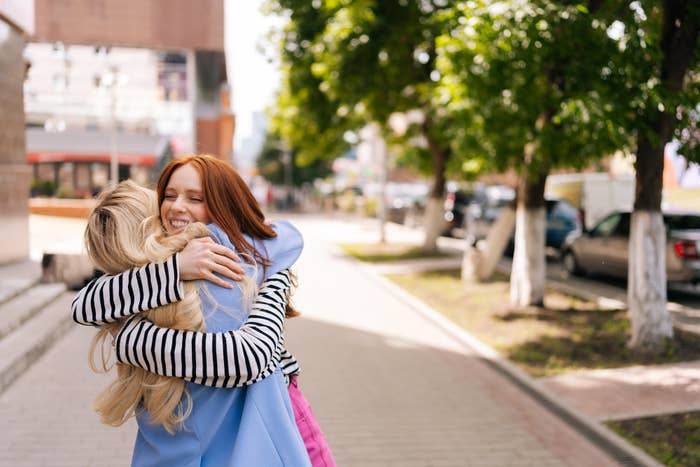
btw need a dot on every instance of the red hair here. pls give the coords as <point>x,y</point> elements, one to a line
<point>230,203</point>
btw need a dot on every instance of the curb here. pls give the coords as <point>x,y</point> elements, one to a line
<point>618,448</point>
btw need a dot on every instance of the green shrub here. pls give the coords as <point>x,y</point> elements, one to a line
<point>65,191</point>
<point>371,204</point>
<point>42,187</point>
<point>346,201</point>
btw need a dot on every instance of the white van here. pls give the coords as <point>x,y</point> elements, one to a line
<point>594,194</point>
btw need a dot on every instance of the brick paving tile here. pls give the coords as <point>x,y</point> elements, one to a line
<point>49,410</point>
<point>388,386</point>
<point>404,374</point>
<point>631,392</point>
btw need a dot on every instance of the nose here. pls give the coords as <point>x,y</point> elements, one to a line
<point>178,204</point>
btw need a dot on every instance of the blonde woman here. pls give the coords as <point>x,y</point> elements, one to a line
<point>123,233</point>
<point>253,425</point>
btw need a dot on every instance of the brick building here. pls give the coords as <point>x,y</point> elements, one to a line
<point>193,31</point>
<point>16,24</point>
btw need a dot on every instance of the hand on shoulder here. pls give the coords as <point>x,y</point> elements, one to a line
<point>202,257</point>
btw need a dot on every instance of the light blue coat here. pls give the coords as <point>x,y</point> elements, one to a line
<point>237,427</point>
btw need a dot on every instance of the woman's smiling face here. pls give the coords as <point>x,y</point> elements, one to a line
<point>183,200</point>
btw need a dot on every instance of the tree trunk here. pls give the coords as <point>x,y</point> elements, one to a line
<point>646,283</point>
<point>479,262</point>
<point>527,276</point>
<point>434,220</point>
<point>646,288</point>
<point>434,216</point>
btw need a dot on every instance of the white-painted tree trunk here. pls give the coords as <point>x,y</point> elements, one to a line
<point>434,222</point>
<point>646,287</point>
<point>479,263</point>
<point>527,276</point>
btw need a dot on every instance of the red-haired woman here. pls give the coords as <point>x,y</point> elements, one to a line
<point>224,426</point>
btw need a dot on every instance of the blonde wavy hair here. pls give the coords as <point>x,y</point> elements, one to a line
<point>124,231</point>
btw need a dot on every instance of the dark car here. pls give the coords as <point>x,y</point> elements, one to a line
<point>561,217</point>
<point>483,210</point>
<point>456,204</point>
<point>605,248</point>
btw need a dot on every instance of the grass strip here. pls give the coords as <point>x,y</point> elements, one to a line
<point>565,335</point>
<point>380,253</point>
<point>672,439</point>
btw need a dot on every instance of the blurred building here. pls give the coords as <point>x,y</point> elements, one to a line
<point>16,24</point>
<point>83,103</point>
<point>135,78</point>
<point>138,80</point>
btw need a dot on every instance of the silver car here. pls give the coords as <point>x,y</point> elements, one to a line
<point>605,248</point>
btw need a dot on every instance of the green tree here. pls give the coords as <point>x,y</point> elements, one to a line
<point>658,45</point>
<point>305,118</point>
<point>530,85</point>
<point>362,61</point>
<point>272,166</point>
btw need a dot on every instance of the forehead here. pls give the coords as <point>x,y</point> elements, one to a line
<point>185,178</point>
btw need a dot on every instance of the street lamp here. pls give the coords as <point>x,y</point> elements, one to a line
<point>111,80</point>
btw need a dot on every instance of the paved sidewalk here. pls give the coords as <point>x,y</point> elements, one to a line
<point>47,416</point>
<point>390,386</point>
<point>611,394</point>
<point>632,392</point>
<point>409,393</point>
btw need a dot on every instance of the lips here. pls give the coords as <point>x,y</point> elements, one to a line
<point>178,223</point>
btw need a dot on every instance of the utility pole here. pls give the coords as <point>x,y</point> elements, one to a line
<point>110,82</point>
<point>380,154</point>
<point>287,160</point>
<point>113,157</point>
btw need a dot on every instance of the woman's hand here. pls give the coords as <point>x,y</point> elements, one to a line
<point>202,257</point>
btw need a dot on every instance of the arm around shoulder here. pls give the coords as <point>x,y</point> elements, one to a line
<point>223,359</point>
<point>109,298</point>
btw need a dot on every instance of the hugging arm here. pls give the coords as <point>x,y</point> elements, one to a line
<point>108,298</point>
<point>223,359</point>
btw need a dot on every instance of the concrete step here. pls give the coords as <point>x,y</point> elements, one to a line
<point>23,346</point>
<point>26,304</point>
<point>17,277</point>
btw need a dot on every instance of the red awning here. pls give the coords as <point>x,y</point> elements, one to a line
<point>148,160</point>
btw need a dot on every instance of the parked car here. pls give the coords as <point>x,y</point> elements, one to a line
<point>561,217</point>
<point>605,248</point>
<point>406,202</point>
<point>595,195</point>
<point>483,210</point>
<point>456,204</point>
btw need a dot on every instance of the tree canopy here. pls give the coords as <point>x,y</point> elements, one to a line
<point>538,73</point>
<point>271,165</point>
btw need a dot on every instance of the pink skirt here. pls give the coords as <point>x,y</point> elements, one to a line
<point>315,442</point>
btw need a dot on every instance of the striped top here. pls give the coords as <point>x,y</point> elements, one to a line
<point>224,359</point>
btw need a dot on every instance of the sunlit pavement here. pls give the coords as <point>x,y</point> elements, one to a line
<point>389,386</point>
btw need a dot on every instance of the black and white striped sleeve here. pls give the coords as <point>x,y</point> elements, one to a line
<point>109,298</point>
<point>288,364</point>
<point>223,359</point>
